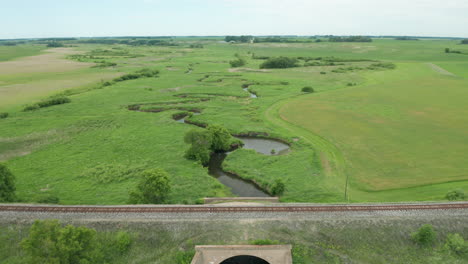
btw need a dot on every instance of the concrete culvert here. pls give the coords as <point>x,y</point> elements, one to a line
<point>244,260</point>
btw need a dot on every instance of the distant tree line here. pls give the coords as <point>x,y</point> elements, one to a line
<point>54,44</point>
<point>406,38</point>
<point>242,39</point>
<point>278,39</point>
<point>350,39</point>
<point>196,46</point>
<point>130,42</point>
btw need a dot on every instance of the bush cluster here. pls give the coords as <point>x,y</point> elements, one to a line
<point>50,242</point>
<point>455,195</point>
<point>55,100</point>
<point>4,115</point>
<point>238,62</point>
<point>307,89</point>
<point>278,187</point>
<point>279,63</point>
<point>105,64</point>
<point>143,73</point>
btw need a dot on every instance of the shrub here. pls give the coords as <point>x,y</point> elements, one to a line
<point>105,64</point>
<point>49,242</point>
<point>425,236</point>
<point>237,63</point>
<point>7,185</point>
<point>3,115</point>
<point>138,74</point>
<point>48,199</point>
<point>447,50</point>
<point>323,73</point>
<point>278,188</point>
<point>31,107</point>
<point>307,89</point>
<point>381,65</point>
<point>56,100</point>
<point>279,63</point>
<point>153,188</point>
<point>455,195</point>
<point>122,242</point>
<point>456,244</point>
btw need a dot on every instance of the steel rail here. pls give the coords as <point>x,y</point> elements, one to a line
<point>229,209</point>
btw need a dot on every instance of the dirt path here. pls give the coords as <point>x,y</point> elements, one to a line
<point>440,70</point>
<point>53,60</point>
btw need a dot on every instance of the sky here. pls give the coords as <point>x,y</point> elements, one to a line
<point>91,18</point>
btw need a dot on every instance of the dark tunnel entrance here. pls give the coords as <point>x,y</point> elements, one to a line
<point>244,260</point>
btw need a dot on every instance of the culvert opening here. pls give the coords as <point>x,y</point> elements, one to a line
<point>242,254</point>
<point>244,259</point>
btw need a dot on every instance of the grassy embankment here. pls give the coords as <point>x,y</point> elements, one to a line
<point>346,241</point>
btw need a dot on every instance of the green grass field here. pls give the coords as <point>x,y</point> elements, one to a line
<point>396,135</point>
<point>13,52</point>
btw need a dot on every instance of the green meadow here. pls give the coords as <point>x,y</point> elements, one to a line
<point>364,134</point>
<point>12,52</point>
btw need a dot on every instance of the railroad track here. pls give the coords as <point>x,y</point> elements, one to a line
<point>230,209</point>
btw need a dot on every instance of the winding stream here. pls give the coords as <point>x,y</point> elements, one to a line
<point>239,186</point>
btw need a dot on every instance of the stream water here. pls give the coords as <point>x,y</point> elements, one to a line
<point>252,95</point>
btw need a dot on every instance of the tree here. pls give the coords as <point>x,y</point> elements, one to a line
<point>7,185</point>
<point>220,138</point>
<point>464,41</point>
<point>201,142</point>
<point>447,50</point>
<point>49,242</point>
<point>278,187</point>
<point>153,188</point>
<point>425,236</point>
